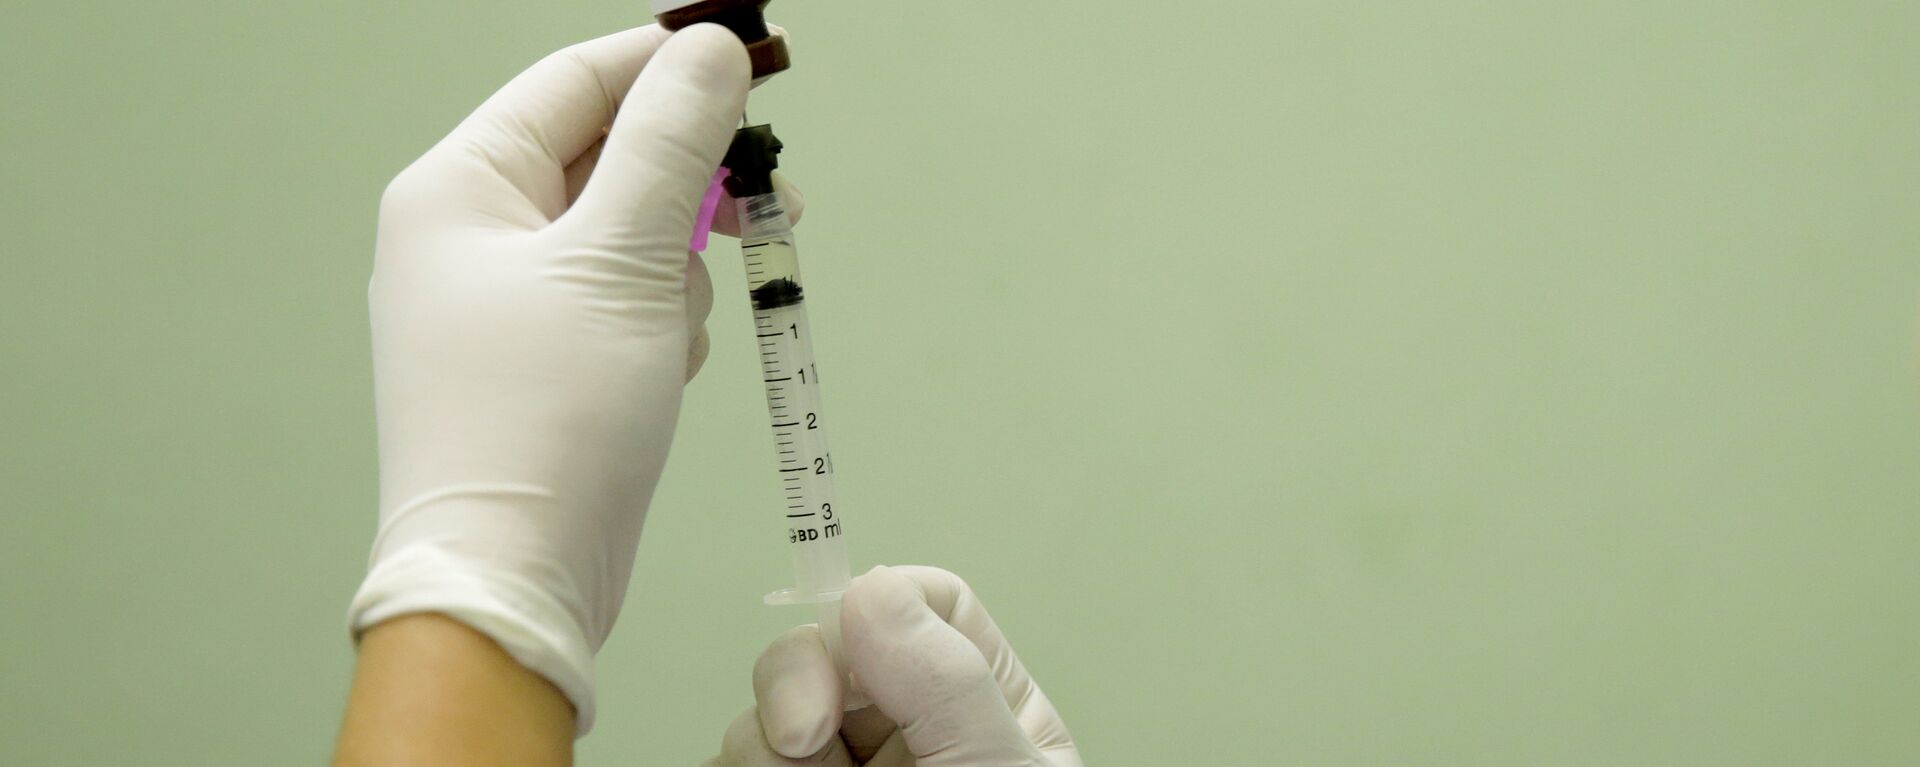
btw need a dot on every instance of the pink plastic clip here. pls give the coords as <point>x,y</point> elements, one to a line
<point>703,224</point>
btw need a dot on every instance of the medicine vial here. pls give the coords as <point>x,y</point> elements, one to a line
<point>745,18</point>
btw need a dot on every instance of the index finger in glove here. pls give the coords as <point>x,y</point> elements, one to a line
<point>923,647</point>
<point>549,115</point>
<point>506,161</point>
<point>954,601</point>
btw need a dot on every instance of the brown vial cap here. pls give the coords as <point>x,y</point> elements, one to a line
<point>747,20</point>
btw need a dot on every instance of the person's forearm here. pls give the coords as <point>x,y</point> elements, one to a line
<point>429,690</point>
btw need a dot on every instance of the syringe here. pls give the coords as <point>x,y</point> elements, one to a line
<point>813,518</point>
<point>814,522</point>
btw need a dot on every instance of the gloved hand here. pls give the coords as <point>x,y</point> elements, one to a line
<point>535,314</point>
<point>948,690</point>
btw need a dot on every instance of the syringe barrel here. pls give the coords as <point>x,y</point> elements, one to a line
<point>813,523</point>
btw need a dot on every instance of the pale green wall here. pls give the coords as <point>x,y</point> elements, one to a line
<point>1299,382</point>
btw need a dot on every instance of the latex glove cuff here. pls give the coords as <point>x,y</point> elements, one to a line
<point>525,619</point>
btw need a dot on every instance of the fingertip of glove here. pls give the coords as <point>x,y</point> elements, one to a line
<point>708,53</point>
<point>799,742</point>
<point>881,600</point>
<point>697,351</point>
<point>796,690</point>
<point>790,197</point>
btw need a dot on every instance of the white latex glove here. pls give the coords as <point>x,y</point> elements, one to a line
<point>535,314</point>
<point>947,688</point>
